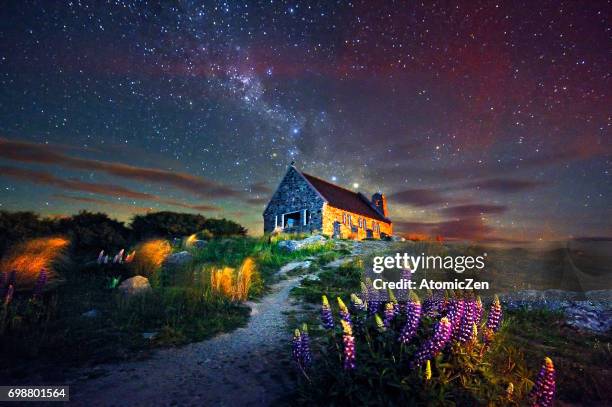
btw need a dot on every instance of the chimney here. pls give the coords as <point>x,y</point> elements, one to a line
<point>380,203</point>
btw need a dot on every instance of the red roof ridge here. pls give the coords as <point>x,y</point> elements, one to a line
<point>352,201</point>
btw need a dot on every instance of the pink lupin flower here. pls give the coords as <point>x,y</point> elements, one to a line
<point>543,391</point>
<point>101,257</point>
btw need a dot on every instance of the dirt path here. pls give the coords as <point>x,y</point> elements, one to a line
<point>247,367</point>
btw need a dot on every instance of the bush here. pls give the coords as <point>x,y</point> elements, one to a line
<point>150,256</point>
<point>92,232</point>
<point>172,224</point>
<point>16,227</point>
<point>29,258</point>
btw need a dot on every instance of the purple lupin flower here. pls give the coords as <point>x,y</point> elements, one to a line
<point>464,333</point>
<point>327,318</point>
<point>456,309</point>
<point>371,296</point>
<point>296,347</point>
<point>393,301</point>
<point>389,314</point>
<point>429,350</point>
<point>543,391</point>
<point>39,286</point>
<point>413,317</point>
<point>305,345</point>
<point>433,304</point>
<point>349,345</point>
<point>478,310</point>
<point>9,294</point>
<point>344,312</point>
<point>495,315</point>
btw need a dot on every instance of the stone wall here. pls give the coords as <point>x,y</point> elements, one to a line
<point>294,194</point>
<point>332,215</point>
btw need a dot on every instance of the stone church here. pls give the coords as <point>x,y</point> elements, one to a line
<point>304,203</point>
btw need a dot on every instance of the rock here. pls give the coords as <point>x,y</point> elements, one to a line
<point>135,285</point>
<point>589,316</point>
<point>295,265</point>
<point>295,245</point>
<point>149,335</point>
<point>311,277</point>
<point>178,259</point>
<point>93,313</point>
<point>396,238</point>
<point>199,244</point>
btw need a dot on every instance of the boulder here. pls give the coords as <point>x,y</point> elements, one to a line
<point>178,259</point>
<point>135,285</point>
<point>397,238</point>
<point>295,245</point>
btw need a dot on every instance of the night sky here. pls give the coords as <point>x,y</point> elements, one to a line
<point>479,120</point>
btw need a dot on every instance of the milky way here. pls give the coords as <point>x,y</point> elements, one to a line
<point>479,120</point>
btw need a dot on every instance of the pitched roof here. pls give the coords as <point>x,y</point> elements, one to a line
<point>345,199</point>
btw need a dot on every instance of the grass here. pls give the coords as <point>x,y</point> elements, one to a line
<point>582,359</point>
<point>44,335</point>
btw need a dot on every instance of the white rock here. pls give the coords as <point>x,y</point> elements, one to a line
<point>296,265</point>
<point>135,285</point>
<point>295,245</point>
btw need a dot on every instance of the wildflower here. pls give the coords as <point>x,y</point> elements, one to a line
<point>120,255</point>
<point>9,294</point>
<point>371,296</point>
<point>296,347</point>
<point>412,319</point>
<point>40,283</point>
<point>389,314</point>
<point>305,344</point>
<point>357,303</point>
<point>474,337</point>
<point>495,315</point>
<point>344,312</point>
<point>130,257</point>
<point>433,305</point>
<point>429,350</point>
<point>456,309</point>
<point>479,310</point>
<point>380,325</point>
<point>464,333</point>
<point>100,256</point>
<point>349,345</point>
<point>393,301</point>
<point>326,314</point>
<point>428,370</point>
<point>543,391</point>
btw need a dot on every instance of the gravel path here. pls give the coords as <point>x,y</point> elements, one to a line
<point>247,367</point>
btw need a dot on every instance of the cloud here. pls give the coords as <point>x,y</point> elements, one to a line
<point>418,197</point>
<point>505,185</point>
<point>473,210</point>
<point>45,178</point>
<point>46,154</point>
<point>97,201</point>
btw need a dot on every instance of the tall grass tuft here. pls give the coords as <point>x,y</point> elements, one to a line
<point>149,257</point>
<point>28,258</point>
<point>232,283</point>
